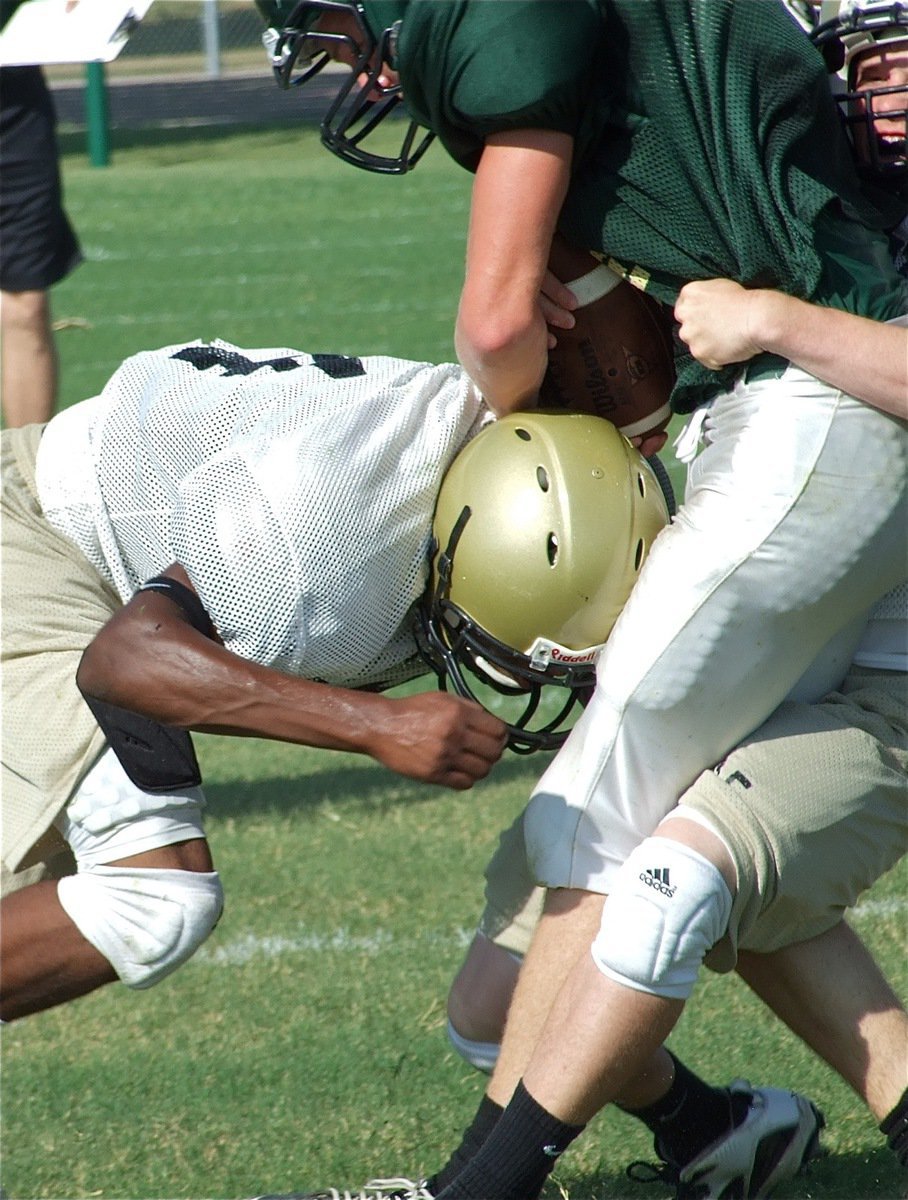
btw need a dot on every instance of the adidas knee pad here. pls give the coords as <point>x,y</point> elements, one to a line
<point>668,907</point>
<point>145,921</point>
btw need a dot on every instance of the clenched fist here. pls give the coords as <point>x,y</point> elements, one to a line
<point>438,738</point>
<point>716,321</point>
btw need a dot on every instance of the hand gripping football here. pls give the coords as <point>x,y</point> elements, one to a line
<point>617,362</point>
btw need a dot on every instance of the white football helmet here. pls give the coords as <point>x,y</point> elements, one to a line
<point>805,12</point>
<point>875,115</point>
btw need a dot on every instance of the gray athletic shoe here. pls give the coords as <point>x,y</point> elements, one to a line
<point>374,1189</point>
<point>777,1139</point>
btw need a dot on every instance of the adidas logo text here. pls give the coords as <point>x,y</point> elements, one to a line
<point>657,879</point>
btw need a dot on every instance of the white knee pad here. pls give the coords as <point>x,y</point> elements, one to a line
<point>668,907</point>
<point>146,921</point>
<point>481,1055</point>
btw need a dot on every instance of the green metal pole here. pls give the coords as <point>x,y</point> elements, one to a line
<point>96,114</point>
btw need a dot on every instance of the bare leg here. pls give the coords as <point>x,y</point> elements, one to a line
<point>563,938</point>
<point>601,1041</point>
<point>577,1038</point>
<point>599,1038</point>
<point>46,960</point>
<point>856,1025</point>
<point>564,934</point>
<point>481,993</point>
<point>29,358</point>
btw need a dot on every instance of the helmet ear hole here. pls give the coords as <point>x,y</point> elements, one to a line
<point>542,479</point>
<point>551,548</point>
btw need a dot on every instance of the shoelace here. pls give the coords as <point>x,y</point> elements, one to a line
<point>641,1171</point>
<point>392,1189</point>
<point>372,1189</point>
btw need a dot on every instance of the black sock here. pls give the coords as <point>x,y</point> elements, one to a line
<point>895,1127</point>
<point>690,1115</point>
<point>517,1156</point>
<point>483,1123</point>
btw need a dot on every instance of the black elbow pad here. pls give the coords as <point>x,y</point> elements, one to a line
<point>156,757</point>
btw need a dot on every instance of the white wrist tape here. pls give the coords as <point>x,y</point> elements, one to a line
<point>668,907</point>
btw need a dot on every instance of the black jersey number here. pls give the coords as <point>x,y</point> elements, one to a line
<point>338,366</point>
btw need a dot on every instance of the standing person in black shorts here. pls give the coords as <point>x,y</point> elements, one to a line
<point>38,247</point>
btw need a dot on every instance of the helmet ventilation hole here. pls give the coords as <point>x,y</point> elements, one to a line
<point>551,549</point>
<point>524,434</point>
<point>542,479</point>
<point>638,557</point>
<point>641,485</point>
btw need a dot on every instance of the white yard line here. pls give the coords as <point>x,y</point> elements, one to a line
<point>241,950</point>
<point>245,947</point>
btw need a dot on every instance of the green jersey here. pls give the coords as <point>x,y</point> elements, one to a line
<point>707,142</point>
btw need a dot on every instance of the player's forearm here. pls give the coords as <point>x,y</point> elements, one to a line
<point>147,660</point>
<point>866,358</point>
<point>501,336</point>
<point>506,364</point>
<point>252,701</point>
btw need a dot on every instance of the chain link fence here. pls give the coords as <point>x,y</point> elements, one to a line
<point>187,39</point>
<point>190,63</point>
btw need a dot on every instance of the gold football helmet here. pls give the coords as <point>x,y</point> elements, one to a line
<point>542,524</point>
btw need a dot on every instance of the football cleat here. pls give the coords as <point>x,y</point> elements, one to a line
<point>373,1189</point>
<point>777,1138</point>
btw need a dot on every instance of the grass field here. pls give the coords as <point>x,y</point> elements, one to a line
<point>304,1045</point>
<point>258,238</point>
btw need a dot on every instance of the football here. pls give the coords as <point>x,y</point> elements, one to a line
<point>617,362</point>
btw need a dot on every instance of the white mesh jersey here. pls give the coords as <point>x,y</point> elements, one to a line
<point>297,491</point>
<point>885,641</point>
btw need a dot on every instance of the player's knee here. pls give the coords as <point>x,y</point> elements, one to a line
<point>146,921</point>
<point>481,1055</point>
<point>479,999</point>
<point>25,313</point>
<point>668,907</point>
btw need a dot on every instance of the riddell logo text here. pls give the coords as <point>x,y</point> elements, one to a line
<point>657,879</point>
<point>568,657</point>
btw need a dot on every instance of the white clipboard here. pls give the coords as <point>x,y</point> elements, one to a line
<point>63,31</point>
